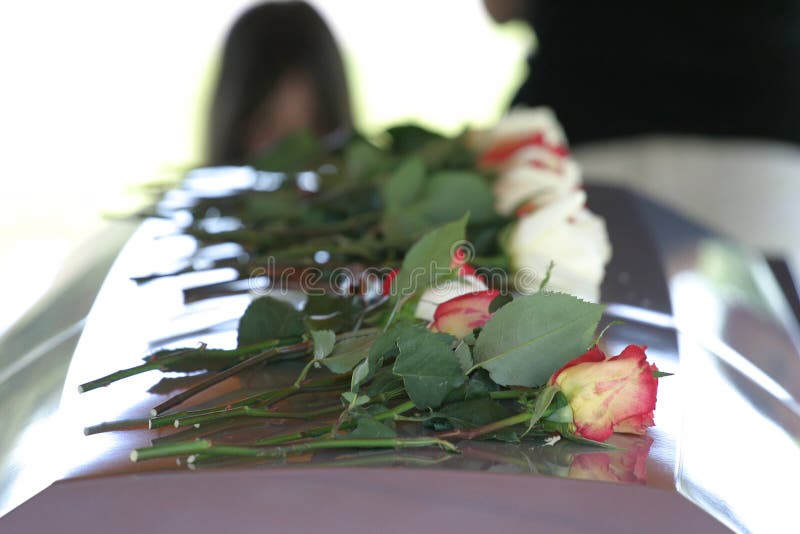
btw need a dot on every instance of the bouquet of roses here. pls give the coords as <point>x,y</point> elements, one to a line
<point>435,346</point>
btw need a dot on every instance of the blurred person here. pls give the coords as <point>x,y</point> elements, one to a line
<point>281,72</point>
<point>696,104</point>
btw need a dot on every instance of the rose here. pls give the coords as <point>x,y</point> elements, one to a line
<point>467,282</point>
<point>445,291</point>
<point>459,316</point>
<point>534,185</point>
<point>529,150</point>
<point>608,395</point>
<point>522,128</point>
<point>567,234</point>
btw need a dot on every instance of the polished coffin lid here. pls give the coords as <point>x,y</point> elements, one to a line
<point>727,422</point>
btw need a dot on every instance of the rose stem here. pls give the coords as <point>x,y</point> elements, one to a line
<point>191,447</point>
<point>265,398</point>
<point>119,375</point>
<point>153,363</point>
<point>123,424</point>
<point>473,433</point>
<point>319,431</point>
<point>229,372</point>
<point>247,411</point>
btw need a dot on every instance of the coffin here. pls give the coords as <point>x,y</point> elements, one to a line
<point>721,454</point>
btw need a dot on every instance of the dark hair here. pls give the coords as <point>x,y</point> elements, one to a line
<point>265,44</point>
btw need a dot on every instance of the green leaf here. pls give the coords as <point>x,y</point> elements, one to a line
<point>429,368</point>
<point>404,184</point>
<point>450,194</point>
<point>267,318</point>
<point>445,197</point>
<point>473,413</point>
<point>295,152</point>
<point>324,340</point>
<point>661,374</point>
<point>410,137</point>
<point>402,227</point>
<point>368,427</point>
<point>332,312</point>
<point>447,153</point>
<point>532,337</point>
<point>479,385</point>
<point>428,259</point>
<point>384,347</point>
<point>499,301</point>
<point>355,400</point>
<point>274,205</point>
<point>464,356</point>
<point>362,158</point>
<point>349,352</point>
<point>543,401</point>
<point>384,382</point>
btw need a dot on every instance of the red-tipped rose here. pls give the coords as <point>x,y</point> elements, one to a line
<point>499,153</point>
<point>609,395</point>
<point>460,315</point>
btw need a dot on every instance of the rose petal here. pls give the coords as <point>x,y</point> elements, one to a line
<point>594,354</point>
<point>500,152</point>
<point>445,291</point>
<point>520,128</point>
<point>460,315</point>
<point>520,183</point>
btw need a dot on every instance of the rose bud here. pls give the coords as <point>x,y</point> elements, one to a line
<point>445,291</point>
<point>459,316</point>
<point>609,395</point>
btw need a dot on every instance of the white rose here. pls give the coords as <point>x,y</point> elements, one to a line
<point>445,291</point>
<point>521,127</point>
<point>521,122</point>
<point>530,182</point>
<point>570,236</point>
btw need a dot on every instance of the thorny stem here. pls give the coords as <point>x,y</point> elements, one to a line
<point>231,371</point>
<point>155,362</point>
<point>247,411</point>
<point>472,433</point>
<point>123,424</point>
<point>118,375</point>
<point>264,399</point>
